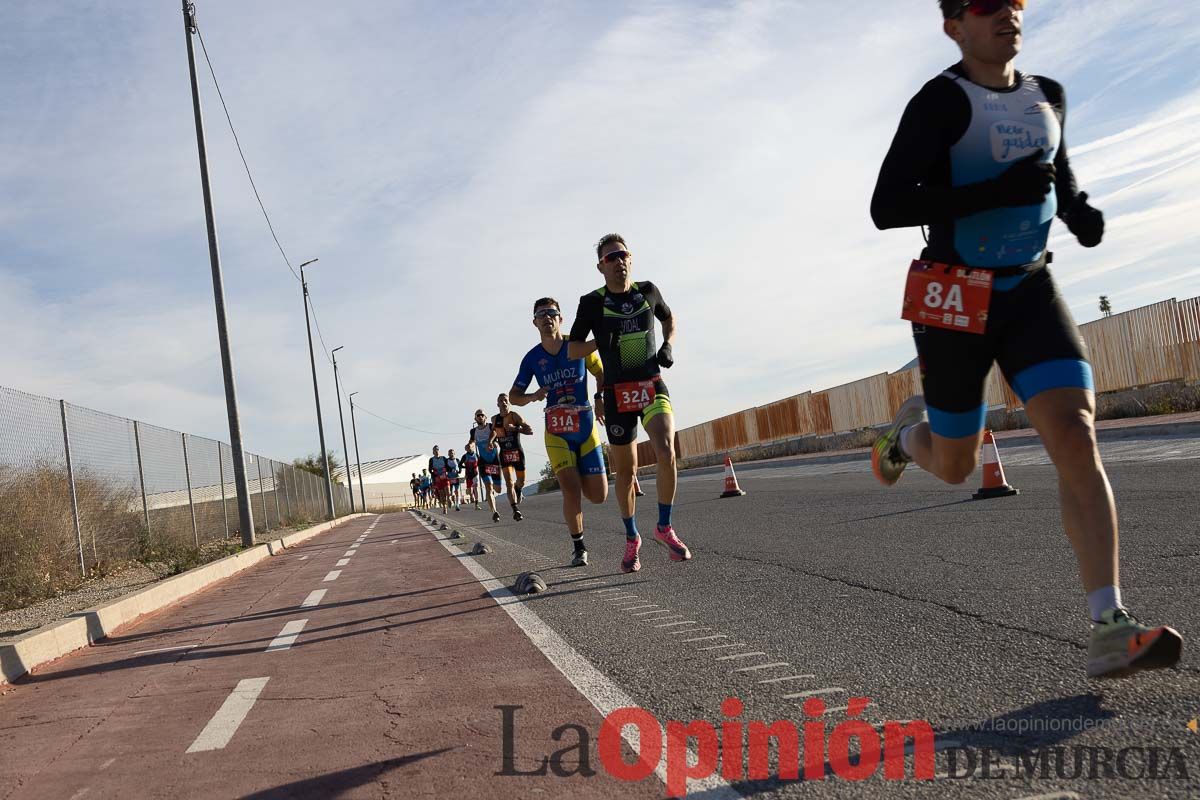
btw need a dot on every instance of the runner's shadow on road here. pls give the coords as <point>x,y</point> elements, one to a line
<point>333,784</point>
<point>908,511</point>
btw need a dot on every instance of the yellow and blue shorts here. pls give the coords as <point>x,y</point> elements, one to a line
<point>580,450</point>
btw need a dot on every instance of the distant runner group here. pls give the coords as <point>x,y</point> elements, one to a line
<point>980,159</point>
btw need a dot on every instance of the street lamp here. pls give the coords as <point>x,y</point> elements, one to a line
<point>337,388</point>
<point>362,495</point>
<point>317,394</point>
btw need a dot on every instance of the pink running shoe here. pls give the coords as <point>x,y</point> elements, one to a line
<point>667,538</point>
<point>631,562</point>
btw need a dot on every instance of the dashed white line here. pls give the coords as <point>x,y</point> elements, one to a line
<point>635,608</point>
<point>686,631</point>
<point>706,638</point>
<point>814,692</point>
<point>393,541</point>
<point>108,763</point>
<point>287,637</point>
<point>165,649</point>
<point>610,589</point>
<point>788,678</point>
<point>724,646</point>
<point>762,666</point>
<point>314,598</point>
<point>740,655</point>
<point>342,562</point>
<point>673,624</point>
<point>659,611</point>
<point>348,553</point>
<point>332,576</point>
<point>224,724</point>
<point>302,558</point>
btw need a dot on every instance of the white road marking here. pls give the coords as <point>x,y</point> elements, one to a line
<point>666,611</point>
<point>314,598</point>
<point>762,666</point>
<point>224,724</point>
<point>814,692</point>
<point>724,646</point>
<point>600,691</point>
<point>332,576</point>
<point>1050,796</point>
<point>287,637</point>
<point>81,793</point>
<point>635,608</point>
<point>108,763</point>
<point>393,541</point>
<point>615,599</point>
<point>706,638</point>
<point>165,649</point>
<point>740,655</point>
<point>788,678</point>
<point>610,589</point>
<point>673,624</point>
<point>342,562</point>
<point>691,630</point>
<point>348,553</point>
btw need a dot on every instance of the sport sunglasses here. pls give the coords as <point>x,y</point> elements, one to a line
<point>615,256</point>
<point>985,8</point>
<point>547,312</point>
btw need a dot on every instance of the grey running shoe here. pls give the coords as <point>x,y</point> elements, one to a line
<point>887,461</point>
<point>1120,645</point>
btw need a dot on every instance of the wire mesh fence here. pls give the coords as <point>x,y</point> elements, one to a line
<point>82,491</point>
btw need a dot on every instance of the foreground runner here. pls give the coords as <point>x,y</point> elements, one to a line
<point>483,437</point>
<point>470,465</point>
<point>989,201</point>
<point>509,426</point>
<point>620,316</point>
<point>572,438</point>
<point>441,479</point>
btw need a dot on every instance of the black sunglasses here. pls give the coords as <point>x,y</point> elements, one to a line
<point>616,255</point>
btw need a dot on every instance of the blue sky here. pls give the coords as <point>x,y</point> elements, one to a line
<point>450,162</point>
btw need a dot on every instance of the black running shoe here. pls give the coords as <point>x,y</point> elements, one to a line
<point>580,559</point>
<point>495,516</point>
<point>517,515</point>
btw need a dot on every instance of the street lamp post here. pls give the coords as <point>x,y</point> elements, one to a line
<point>362,495</point>
<point>312,360</point>
<point>245,518</point>
<point>337,388</point>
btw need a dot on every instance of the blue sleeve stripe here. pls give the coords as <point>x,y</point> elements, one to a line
<point>1063,373</point>
<point>957,425</point>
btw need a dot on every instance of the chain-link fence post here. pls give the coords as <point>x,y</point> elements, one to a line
<point>221,472</point>
<point>275,486</point>
<point>187,472</point>
<point>287,495</point>
<point>262,494</point>
<point>137,443</point>
<point>62,408</point>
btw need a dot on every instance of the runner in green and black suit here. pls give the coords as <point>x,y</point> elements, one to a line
<point>620,318</point>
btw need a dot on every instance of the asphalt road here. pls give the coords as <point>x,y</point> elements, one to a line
<point>966,614</point>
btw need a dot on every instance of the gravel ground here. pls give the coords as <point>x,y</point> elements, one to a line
<point>18,621</point>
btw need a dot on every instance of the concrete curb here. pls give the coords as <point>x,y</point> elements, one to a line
<point>82,628</point>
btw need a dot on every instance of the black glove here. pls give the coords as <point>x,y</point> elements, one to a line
<point>1085,222</point>
<point>1025,183</point>
<point>665,359</point>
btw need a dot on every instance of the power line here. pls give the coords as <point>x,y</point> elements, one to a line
<point>236,141</point>
<point>361,407</point>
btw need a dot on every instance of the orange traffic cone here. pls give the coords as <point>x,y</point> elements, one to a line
<point>994,484</point>
<point>731,485</point>
<point>637,487</point>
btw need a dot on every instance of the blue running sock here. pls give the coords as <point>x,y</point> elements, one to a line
<point>664,515</point>
<point>631,531</point>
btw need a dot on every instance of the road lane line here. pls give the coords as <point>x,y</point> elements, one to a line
<point>813,692</point>
<point>763,666</point>
<point>302,558</point>
<point>287,637</point>
<point>393,541</point>
<point>706,638</point>
<point>673,624</point>
<point>788,678</point>
<point>342,562</point>
<point>666,611</point>
<point>692,630</point>
<point>224,724</point>
<point>314,598</point>
<point>724,646</point>
<point>593,684</point>
<point>166,649</point>
<point>348,553</point>
<point>740,655</point>
<point>635,608</point>
<point>610,589</point>
<point>332,576</point>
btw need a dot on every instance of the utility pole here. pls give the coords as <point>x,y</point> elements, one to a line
<point>245,519</point>
<point>362,495</point>
<point>337,388</point>
<point>312,360</point>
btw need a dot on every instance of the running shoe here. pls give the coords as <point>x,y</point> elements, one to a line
<point>887,461</point>
<point>1121,645</point>
<point>667,538</point>
<point>580,559</point>
<point>495,516</point>
<point>477,508</point>
<point>631,562</point>
<point>517,515</point>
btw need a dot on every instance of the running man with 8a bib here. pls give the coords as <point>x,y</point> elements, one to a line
<point>980,158</point>
<point>620,317</point>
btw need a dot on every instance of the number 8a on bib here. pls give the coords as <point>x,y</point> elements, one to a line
<point>945,296</point>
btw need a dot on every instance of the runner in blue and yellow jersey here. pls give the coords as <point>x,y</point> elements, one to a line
<point>572,436</point>
<point>980,157</point>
